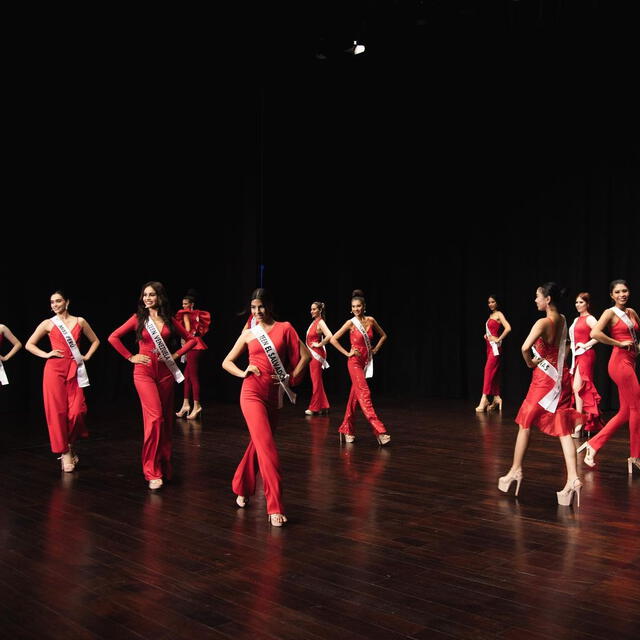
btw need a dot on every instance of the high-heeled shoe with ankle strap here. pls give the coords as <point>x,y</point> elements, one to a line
<point>277,519</point>
<point>496,405</point>
<point>589,455</point>
<point>505,482</point>
<point>633,462</point>
<point>565,497</point>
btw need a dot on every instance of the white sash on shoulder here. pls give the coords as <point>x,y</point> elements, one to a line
<point>550,401</point>
<point>575,352</point>
<point>317,356</point>
<point>368,371</point>
<point>163,351</point>
<point>83,378</point>
<point>494,345</point>
<point>273,357</point>
<point>625,318</point>
<point>3,374</point>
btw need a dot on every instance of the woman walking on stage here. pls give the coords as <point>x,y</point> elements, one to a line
<point>196,323</point>
<point>5,332</point>
<point>318,334</point>
<point>154,374</point>
<point>583,360</point>
<point>623,323</point>
<point>496,330</point>
<point>64,377</point>
<point>547,405</point>
<point>360,366</point>
<point>277,358</point>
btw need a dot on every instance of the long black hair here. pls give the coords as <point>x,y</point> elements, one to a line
<point>164,308</point>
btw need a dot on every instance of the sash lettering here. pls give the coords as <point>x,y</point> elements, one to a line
<point>163,351</point>
<point>550,401</point>
<point>278,368</point>
<point>83,378</point>
<point>625,318</point>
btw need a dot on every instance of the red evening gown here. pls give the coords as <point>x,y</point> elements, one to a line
<point>319,400</point>
<point>585,363</point>
<point>491,386</point>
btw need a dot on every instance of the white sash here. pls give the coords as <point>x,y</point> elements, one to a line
<point>368,372</point>
<point>494,345</point>
<point>3,374</point>
<point>83,378</point>
<point>163,351</point>
<point>273,357</point>
<point>550,401</point>
<point>317,356</point>
<point>625,318</point>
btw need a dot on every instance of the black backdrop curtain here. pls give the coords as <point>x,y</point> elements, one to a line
<point>429,177</point>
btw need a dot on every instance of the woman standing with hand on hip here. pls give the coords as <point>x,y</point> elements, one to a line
<point>277,358</point>
<point>496,330</point>
<point>623,326</point>
<point>547,405</point>
<point>155,373</point>
<point>583,360</point>
<point>318,334</point>
<point>360,366</point>
<point>5,332</point>
<point>64,377</point>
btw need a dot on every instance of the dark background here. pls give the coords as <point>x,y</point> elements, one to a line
<point>475,148</point>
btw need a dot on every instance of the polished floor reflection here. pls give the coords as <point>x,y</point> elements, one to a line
<point>409,541</point>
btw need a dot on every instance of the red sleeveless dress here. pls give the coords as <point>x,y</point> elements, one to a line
<point>564,420</point>
<point>491,386</point>
<point>585,363</point>
<point>319,399</point>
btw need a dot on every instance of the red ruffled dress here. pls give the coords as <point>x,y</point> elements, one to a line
<point>565,419</point>
<point>585,363</point>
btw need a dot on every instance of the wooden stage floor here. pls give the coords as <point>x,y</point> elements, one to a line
<point>409,541</point>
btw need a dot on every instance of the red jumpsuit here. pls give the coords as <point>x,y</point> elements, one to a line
<point>564,420</point>
<point>259,404</point>
<point>622,369</point>
<point>491,386</point>
<point>585,364</point>
<point>154,384</point>
<point>199,322</point>
<point>319,400</point>
<point>360,393</point>
<point>64,404</point>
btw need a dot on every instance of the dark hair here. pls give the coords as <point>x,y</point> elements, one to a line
<point>613,283</point>
<point>164,308</point>
<point>320,306</point>
<point>553,291</point>
<point>61,293</point>
<point>265,297</point>
<point>358,294</point>
<point>586,296</point>
<point>491,295</point>
<point>191,296</point>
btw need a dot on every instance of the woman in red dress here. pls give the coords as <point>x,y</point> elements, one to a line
<point>623,325</point>
<point>5,332</point>
<point>318,334</point>
<point>196,323</point>
<point>64,404</point>
<point>360,366</point>
<point>496,330</point>
<point>261,396</point>
<point>154,375</point>
<point>548,401</point>
<point>585,393</point>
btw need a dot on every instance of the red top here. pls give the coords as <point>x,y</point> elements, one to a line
<point>582,331</point>
<point>287,344</point>
<point>357,342</point>
<point>313,335</point>
<point>199,321</point>
<point>620,330</point>
<point>146,344</point>
<point>58,341</point>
